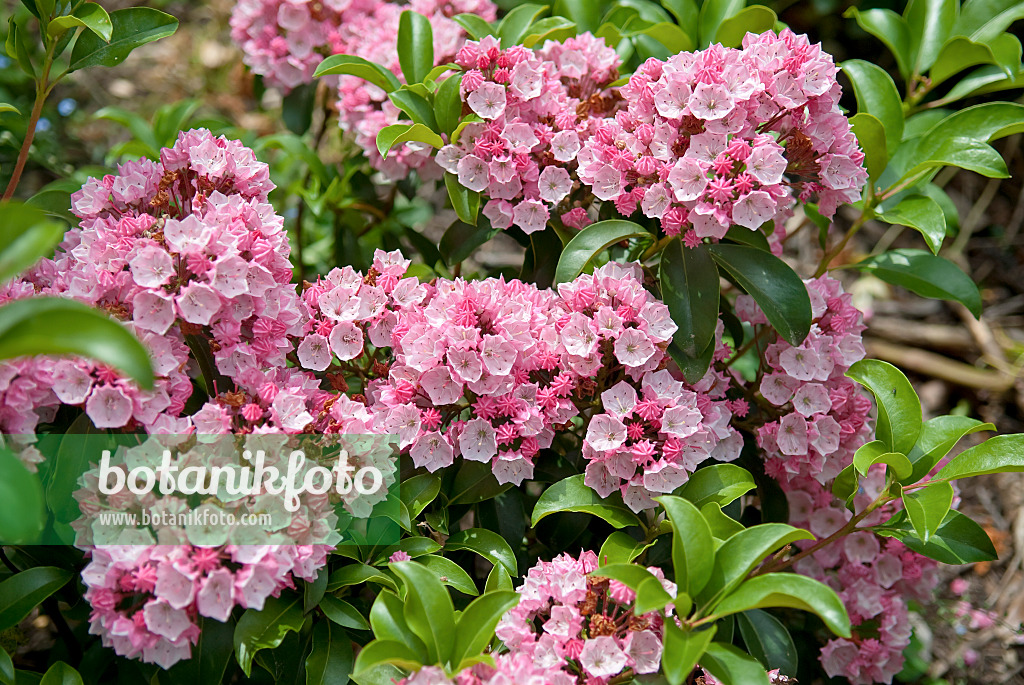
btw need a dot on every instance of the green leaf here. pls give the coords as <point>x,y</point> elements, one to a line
<point>592,241</point>
<point>474,25</point>
<point>387,616</point>
<point>930,23</point>
<point>7,107</point>
<point>891,29</point>
<point>959,540</point>
<point>960,52</point>
<point>875,452</point>
<point>131,28</point>
<point>6,668</point>
<point>419,491</point>
<point>331,659</point>
<point>693,550</point>
<point>923,273</point>
<point>357,66</point>
<point>517,21</point>
<point>1001,454</point>
<point>871,135</point>
<point>719,483</point>
<point>416,106</point>
<point>466,202</point>
<point>753,19</point>
<point>937,438</point>
<point>17,48</point>
<point>415,46</point>
<point>357,574</point>
<point>689,287</point>
<point>28,236</point>
<point>922,214</point>
<point>730,666</point>
<point>988,79</point>
<point>792,591</point>
<point>61,674</point>
<point>712,15</point>
<point>487,544</point>
<point>775,287</point>
<point>741,553</point>
<point>428,609</point>
<point>475,627</point>
<point>549,28</point>
<point>768,640</point>
<point>386,652</point>
<point>721,524</point>
<point>877,95</point>
<point>682,650</point>
<point>266,628</point>
<point>899,409</point>
<point>396,134</point>
<point>24,591</point>
<point>651,596</point>
<point>620,548</point>
<point>630,575</point>
<point>51,325</point>
<point>985,123</point>
<point>449,573</point>
<point>448,104</point>
<point>586,14</point>
<point>89,15</point>
<point>498,579</point>
<point>964,153</point>
<point>984,19</point>
<point>686,12</point>
<point>343,613</point>
<point>927,507</point>
<point>572,495</point>
<point>461,239</point>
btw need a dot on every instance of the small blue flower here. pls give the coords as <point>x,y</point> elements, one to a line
<point>66,106</point>
<point>43,125</point>
<point>5,61</point>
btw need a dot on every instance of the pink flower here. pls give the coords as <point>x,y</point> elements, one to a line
<point>346,340</point>
<point>108,407</point>
<point>488,100</point>
<point>633,348</point>
<point>602,657</point>
<point>152,267</point>
<point>605,433</point>
<point>315,352</point>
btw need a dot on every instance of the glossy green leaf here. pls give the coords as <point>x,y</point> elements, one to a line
<point>415,46</point>
<point>415,106</point>
<point>266,628</point>
<point>498,579</point>
<point>23,591</point>
<point>88,15</point>
<point>877,95</point>
<point>693,550</point>
<point>387,617</point>
<point>719,483</point>
<point>586,14</point>
<point>876,452</point>
<point>7,107</point>
<point>1001,454</point>
<point>845,486</point>
<point>61,674</point>
<point>923,273</point>
<point>17,47</point>
<point>357,66</point>
<point>753,19</point>
<point>985,123</point>
<point>689,287</point>
<point>29,235</point>
<point>6,668</point>
<point>572,495</point>
<point>927,507</point>
<point>474,25</point>
<point>385,652</point>
<point>721,524</point>
<point>428,608</point>
<point>937,438</point>
<point>357,574</point>
<point>396,134</point>
<point>461,239</point>
<point>730,666</point>
<point>515,24</point>
<point>131,28</point>
<point>449,573</point>
<point>987,79</point>
<point>922,214</point>
<point>789,590</point>
<point>741,553</point>
<point>871,135</point>
<point>686,12</point>
<point>448,104</point>
<point>592,241</point>
<point>712,14</point>
<point>682,650</point>
<point>899,409</point>
<point>487,544</point>
<point>549,28</point>
<point>768,640</point>
<point>891,29</point>
<point>651,596</point>
<point>775,287</point>
<point>466,202</point>
<point>475,627</point>
<point>984,19</point>
<point>630,575</point>
<point>962,53</point>
<point>419,491</point>
<point>964,153</point>
<point>930,23</point>
<point>343,613</point>
<point>51,325</point>
<point>620,548</point>
<point>959,540</point>
<point>331,659</point>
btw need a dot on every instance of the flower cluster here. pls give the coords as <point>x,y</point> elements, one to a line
<point>285,40</point>
<point>702,141</point>
<point>536,110</point>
